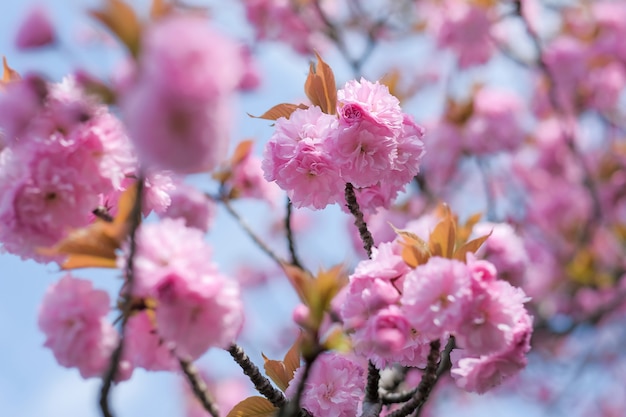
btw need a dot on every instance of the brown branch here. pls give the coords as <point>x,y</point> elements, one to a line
<point>290,240</point>
<point>198,386</point>
<point>116,356</point>
<point>426,385</point>
<point>359,222</point>
<point>261,383</point>
<point>564,119</point>
<point>246,228</point>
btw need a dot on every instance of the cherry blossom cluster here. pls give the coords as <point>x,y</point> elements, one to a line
<point>182,307</point>
<point>54,134</point>
<point>393,311</point>
<point>370,143</point>
<point>176,95</point>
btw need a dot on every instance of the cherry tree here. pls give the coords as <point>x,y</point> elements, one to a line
<point>479,173</point>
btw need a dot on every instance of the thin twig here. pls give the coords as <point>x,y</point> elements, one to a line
<point>398,397</point>
<point>290,240</point>
<point>565,122</point>
<point>373,375</point>
<point>373,379</point>
<point>359,222</point>
<point>198,387</point>
<point>246,228</point>
<point>109,376</point>
<point>292,408</point>
<point>426,385</point>
<point>487,185</point>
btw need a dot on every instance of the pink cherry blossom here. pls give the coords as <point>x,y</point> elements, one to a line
<point>191,205</point>
<point>491,318</point>
<point>177,108</point>
<point>20,104</point>
<point>387,338</point>
<point>495,122</point>
<point>73,317</point>
<point>364,100</point>
<point>466,30</point>
<point>143,346</point>
<point>386,263</point>
<point>410,151</point>
<point>277,20</point>
<point>436,296</point>
<point>36,30</point>
<point>198,312</point>
<point>297,157</point>
<point>364,297</point>
<point>41,200</point>
<point>504,249</point>
<point>480,374</point>
<point>67,136</point>
<point>165,248</point>
<point>247,180</point>
<point>370,119</point>
<point>197,308</point>
<point>364,152</point>
<point>334,386</point>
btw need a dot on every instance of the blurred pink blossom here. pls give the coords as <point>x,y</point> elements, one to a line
<point>36,30</point>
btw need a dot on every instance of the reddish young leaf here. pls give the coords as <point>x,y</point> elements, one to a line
<point>121,19</point>
<point>300,280</point>
<point>277,372</point>
<point>443,238</point>
<point>8,73</point>
<point>160,9</point>
<point>280,110</point>
<point>415,251</point>
<point>292,358</point>
<point>253,407</point>
<point>471,246</point>
<point>242,150</point>
<point>281,372</point>
<point>464,232</point>
<point>320,86</point>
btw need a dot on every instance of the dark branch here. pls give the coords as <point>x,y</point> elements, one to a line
<point>359,222</point>
<point>261,383</point>
<point>198,386</point>
<point>110,374</point>
<point>290,240</point>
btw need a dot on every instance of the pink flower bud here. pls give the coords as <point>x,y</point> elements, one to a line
<point>36,30</point>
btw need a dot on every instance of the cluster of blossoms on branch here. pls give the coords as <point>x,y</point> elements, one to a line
<point>369,143</point>
<point>78,184</point>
